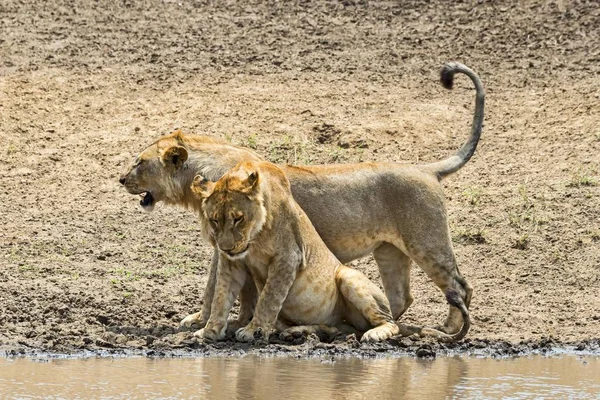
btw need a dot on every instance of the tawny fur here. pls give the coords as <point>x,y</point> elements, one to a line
<point>394,211</point>
<point>258,228</point>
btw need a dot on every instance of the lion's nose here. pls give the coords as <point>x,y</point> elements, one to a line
<point>122,180</point>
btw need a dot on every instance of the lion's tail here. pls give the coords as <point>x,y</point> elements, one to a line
<point>454,163</point>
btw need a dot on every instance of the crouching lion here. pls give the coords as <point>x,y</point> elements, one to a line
<point>394,211</point>
<point>251,217</point>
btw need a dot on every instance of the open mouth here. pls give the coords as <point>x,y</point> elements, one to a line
<point>146,199</point>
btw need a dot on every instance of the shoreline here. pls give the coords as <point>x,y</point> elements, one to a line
<point>313,348</point>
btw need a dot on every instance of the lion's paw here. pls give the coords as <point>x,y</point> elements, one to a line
<point>210,334</point>
<point>449,330</point>
<point>250,333</point>
<point>199,333</point>
<point>193,319</point>
<point>295,332</point>
<point>380,333</point>
<point>290,335</point>
<point>233,325</point>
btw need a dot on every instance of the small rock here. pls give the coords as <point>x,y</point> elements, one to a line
<point>352,341</point>
<point>399,342</point>
<point>425,351</point>
<point>102,343</point>
<point>415,337</point>
<point>150,340</point>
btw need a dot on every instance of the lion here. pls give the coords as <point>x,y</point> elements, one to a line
<point>394,211</point>
<point>251,217</point>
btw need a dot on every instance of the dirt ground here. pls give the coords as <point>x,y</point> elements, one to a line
<point>86,85</point>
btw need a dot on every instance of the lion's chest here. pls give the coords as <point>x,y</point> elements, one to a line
<point>259,269</point>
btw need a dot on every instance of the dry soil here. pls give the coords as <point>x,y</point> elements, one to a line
<point>86,85</point>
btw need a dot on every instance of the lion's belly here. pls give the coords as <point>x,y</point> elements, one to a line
<point>347,249</point>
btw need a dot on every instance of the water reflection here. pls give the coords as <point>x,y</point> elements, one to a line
<point>286,378</point>
<point>343,379</point>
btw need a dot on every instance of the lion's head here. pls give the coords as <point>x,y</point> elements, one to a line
<point>233,208</point>
<point>166,168</point>
<point>152,173</point>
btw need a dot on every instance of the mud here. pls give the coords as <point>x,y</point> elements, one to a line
<point>85,86</point>
<point>185,345</point>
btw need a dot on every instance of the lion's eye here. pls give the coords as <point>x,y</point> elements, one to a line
<point>238,219</point>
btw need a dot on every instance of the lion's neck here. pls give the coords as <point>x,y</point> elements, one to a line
<point>210,158</point>
<point>195,165</point>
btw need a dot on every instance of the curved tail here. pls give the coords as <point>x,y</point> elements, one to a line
<point>463,155</point>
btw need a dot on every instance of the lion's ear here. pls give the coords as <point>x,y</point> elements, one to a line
<point>202,187</point>
<point>175,156</point>
<point>248,184</point>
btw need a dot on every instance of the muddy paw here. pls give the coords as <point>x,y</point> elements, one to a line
<point>245,334</point>
<point>290,334</point>
<point>199,333</point>
<point>210,334</point>
<point>193,319</point>
<point>234,325</point>
<point>249,333</point>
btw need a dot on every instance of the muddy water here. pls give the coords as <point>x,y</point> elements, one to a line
<point>287,378</point>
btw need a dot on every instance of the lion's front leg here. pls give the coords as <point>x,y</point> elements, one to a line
<point>230,279</point>
<point>248,298</point>
<point>201,318</point>
<point>282,274</point>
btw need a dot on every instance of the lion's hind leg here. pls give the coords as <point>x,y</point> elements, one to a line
<point>432,251</point>
<point>455,300</point>
<point>442,270</point>
<point>367,308</point>
<point>394,268</point>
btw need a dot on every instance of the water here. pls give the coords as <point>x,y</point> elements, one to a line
<point>252,377</point>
